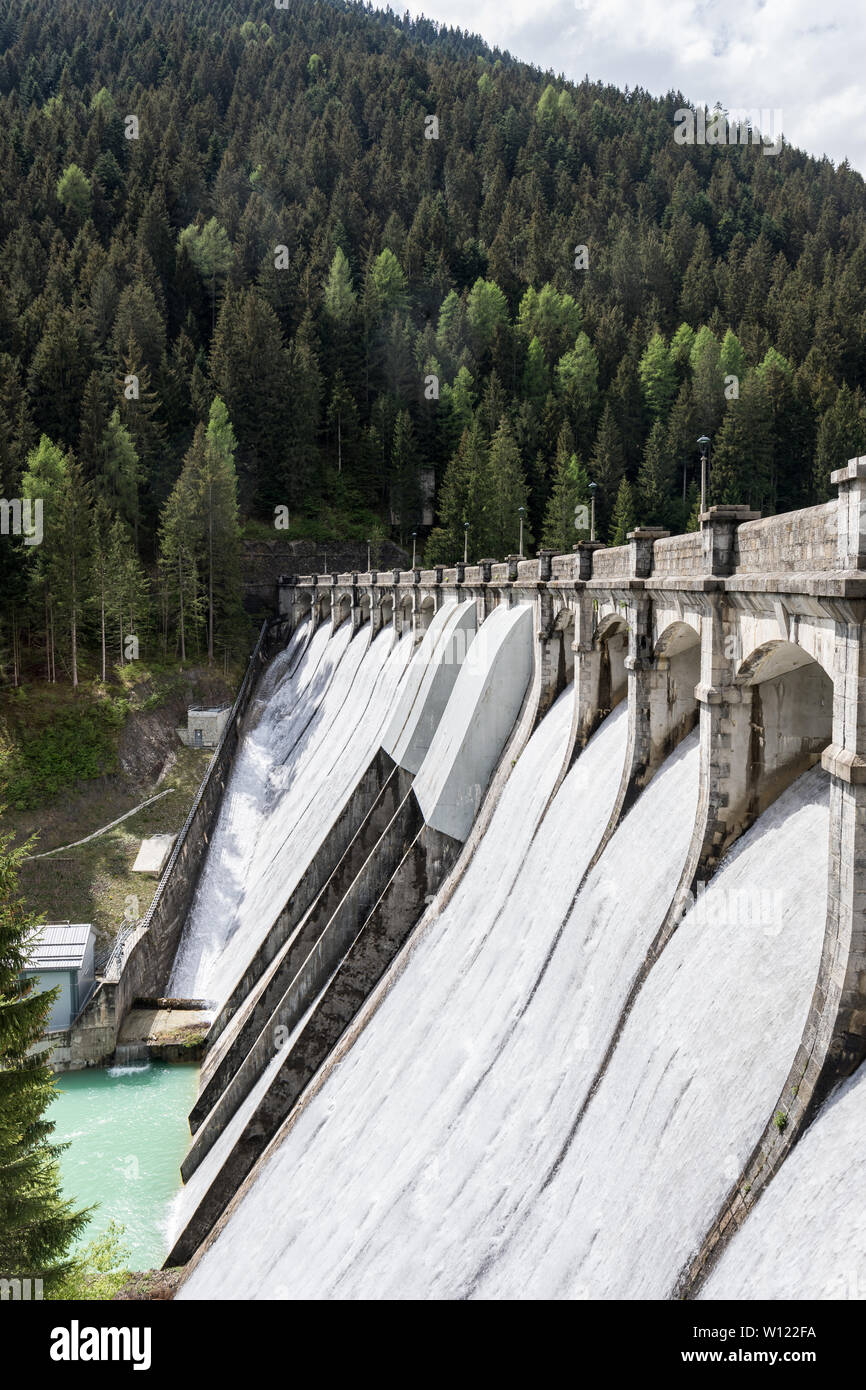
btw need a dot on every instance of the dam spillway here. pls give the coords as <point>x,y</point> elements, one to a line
<point>477,1019</point>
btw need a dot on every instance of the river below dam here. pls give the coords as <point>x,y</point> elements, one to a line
<point>127,1132</point>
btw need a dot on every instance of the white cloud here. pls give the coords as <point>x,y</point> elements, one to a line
<point>771,54</point>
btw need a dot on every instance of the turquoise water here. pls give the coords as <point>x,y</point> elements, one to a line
<point>127,1133</point>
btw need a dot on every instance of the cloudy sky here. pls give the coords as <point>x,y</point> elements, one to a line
<point>794,55</point>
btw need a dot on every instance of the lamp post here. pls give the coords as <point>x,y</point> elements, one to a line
<point>466,542</point>
<point>704,443</point>
<point>414,537</point>
<point>592,488</point>
<point>368,554</point>
<point>520,511</point>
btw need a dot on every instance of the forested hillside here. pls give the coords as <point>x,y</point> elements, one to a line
<point>245,276</point>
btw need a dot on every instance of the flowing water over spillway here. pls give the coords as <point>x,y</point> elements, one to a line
<point>404,1173</point>
<point>695,1075</point>
<point>498,1128</point>
<point>321,718</point>
<point>806,1237</point>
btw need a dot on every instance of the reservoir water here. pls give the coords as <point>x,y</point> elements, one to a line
<point>127,1133</point>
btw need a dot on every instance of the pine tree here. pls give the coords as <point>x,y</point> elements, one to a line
<point>658,377</point>
<point>70,541</point>
<point>460,501</point>
<point>708,386</point>
<point>178,568</point>
<point>742,457</point>
<point>37,1226</point>
<point>607,466</point>
<point>577,383</point>
<point>623,519</point>
<point>218,489</point>
<point>655,480</point>
<point>570,491</point>
<point>405,494</point>
<point>127,595</point>
<point>43,485</point>
<point>120,473</point>
<point>841,436</point>
<point>504,493</point>
<point>100,575</point>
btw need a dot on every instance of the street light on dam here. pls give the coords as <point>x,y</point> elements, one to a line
<point>704,444</point>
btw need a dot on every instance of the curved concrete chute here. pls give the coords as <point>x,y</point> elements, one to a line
<point>429,682</point>
<point>484,704</point>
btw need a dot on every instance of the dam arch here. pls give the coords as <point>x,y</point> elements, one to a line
<point>611,642</point>
<point>675,710</point>
<point>404,613</point>
<point>562,649</point>
<point>788,697</point>
<point>342,610</point>
<point>424,615</point>
<point>385,612</point>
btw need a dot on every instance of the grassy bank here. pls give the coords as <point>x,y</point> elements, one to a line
<point>73,761</point>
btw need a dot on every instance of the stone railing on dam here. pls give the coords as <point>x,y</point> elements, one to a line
<point>754,630</point>
<point>794,541</point>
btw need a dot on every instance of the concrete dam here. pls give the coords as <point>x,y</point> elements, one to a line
<point>529,914</point>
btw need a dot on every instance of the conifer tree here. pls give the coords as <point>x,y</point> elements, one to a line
<point>100,575</point>
<point>504,493</point>
<point>404,490</point>
<point>178,567</point>
<point>120,473</point>
<point>37,1225</point>
<point>658,377</point>
<point>655,479</point>
<point>218,489</point>
<point>607,465</point>
<point>841,436</point>
<point>570,491</point>
<point>460,500</point>
<point>127,594</point>
<point>623,519</point>
<point>42,485</point>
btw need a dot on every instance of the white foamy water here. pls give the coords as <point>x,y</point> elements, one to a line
<point>317,731</point>
<point>692,1083</point>
<point>401,1172</point>
<point>806,1237</point>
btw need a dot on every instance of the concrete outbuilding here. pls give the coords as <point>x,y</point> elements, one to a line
<point>204,727</point>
